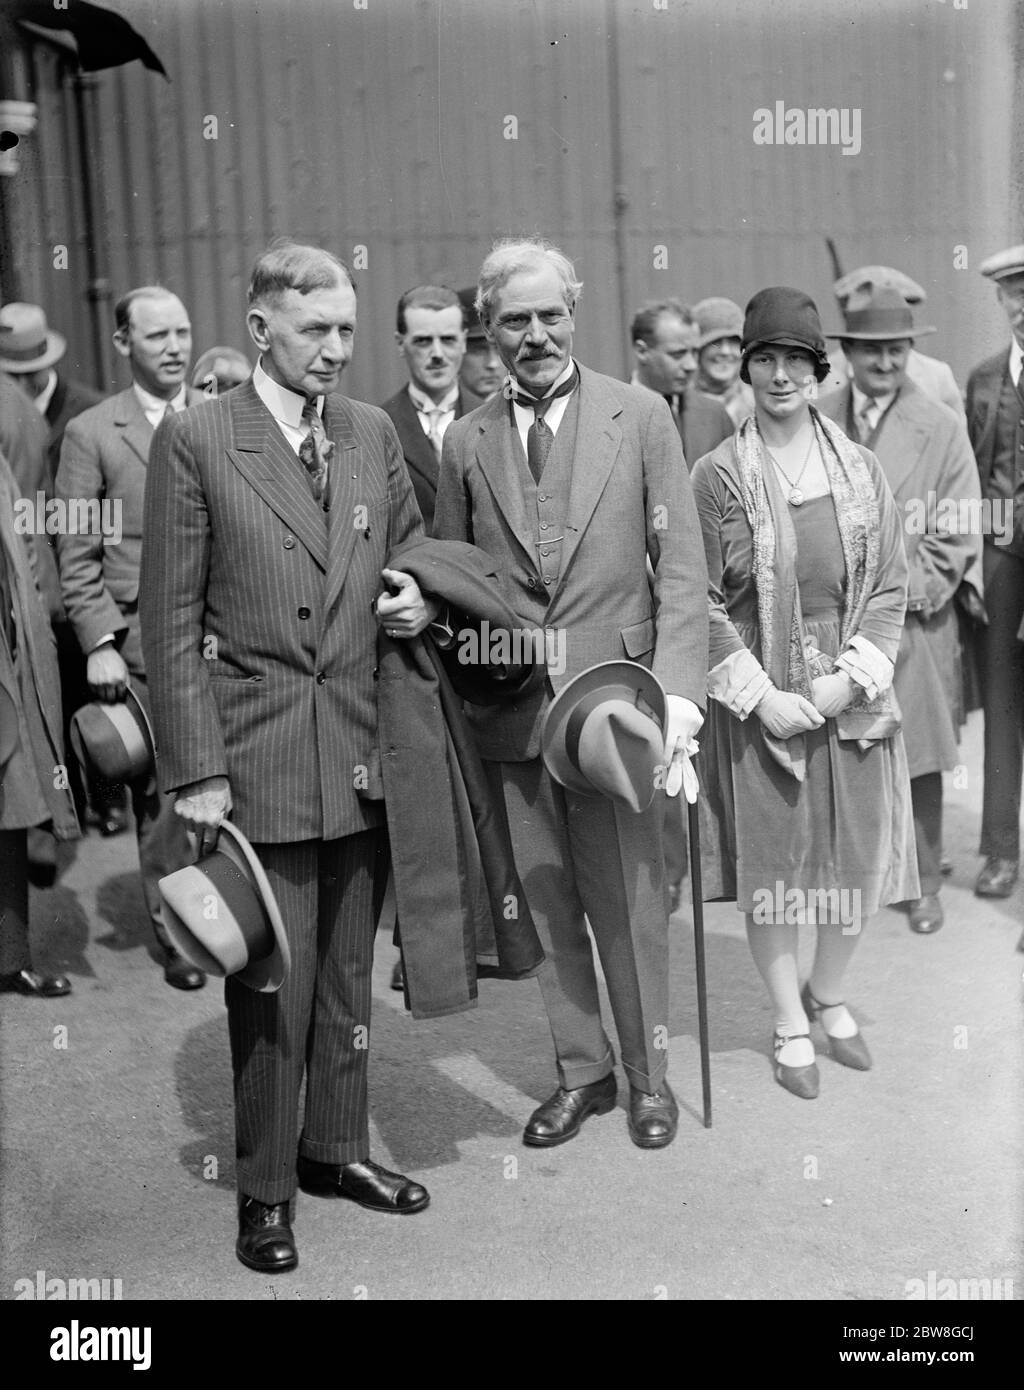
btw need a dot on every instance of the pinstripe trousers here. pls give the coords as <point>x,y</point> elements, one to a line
<point>330,894</point>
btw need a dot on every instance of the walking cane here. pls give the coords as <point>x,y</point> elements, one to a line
<point>698,950</point>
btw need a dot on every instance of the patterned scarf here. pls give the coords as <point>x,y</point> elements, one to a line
<point>786,652</point>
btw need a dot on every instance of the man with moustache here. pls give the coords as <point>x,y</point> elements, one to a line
<point>431,339</point>
<point>572,485</point>
<point>104,457</point>
<point>665,336</point>
<point>270,512</point>
<point>926,458</point>
<point>995,423</point>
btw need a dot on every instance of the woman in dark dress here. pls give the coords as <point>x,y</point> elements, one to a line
<point>807,812</point>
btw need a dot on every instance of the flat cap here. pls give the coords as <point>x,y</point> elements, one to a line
<point>1004,264</point>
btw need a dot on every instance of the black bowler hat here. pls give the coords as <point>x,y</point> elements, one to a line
<point>784,317</point>
<point>474,328</point>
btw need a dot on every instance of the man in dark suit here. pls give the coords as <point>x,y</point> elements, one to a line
<point>995,423</point>
<point>431,338</point>
<point>572,486</point>
<point>269,516</point>
<point>103,459</point>
<point>665,336</point>
<point>926,458</point>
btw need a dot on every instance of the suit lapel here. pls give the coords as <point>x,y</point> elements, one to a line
<point>983,427</point>
<point>346,492</point>
<point>130,419</point>
<point>598,438</point>
<point>264,458</point>
<point>495,453</point>
<point>418,450</point>
<point>899,440</point>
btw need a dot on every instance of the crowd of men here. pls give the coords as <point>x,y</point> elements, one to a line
<point>231,480</point>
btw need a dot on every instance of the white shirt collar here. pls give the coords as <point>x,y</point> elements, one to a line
<point>570,367</point>
<point>879,403</point>
<point>46,394</point>
<point>284,404</point>
<point>425,405</point>
<point>1016,360</point>
<point>155,406</point>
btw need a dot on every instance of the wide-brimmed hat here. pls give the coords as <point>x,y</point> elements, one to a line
<point>474,328</point>
<point>784,317</point>
<point>867,275</point>
<point>1004,265</point>
<point>115,740</point>
<point>26,343</point>
<point>716,319</point>
<point>221,914</point>
<point>604,733</point>
<point>878,313</point>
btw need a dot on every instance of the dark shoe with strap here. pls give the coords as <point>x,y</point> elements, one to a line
<point>398,975</point>
<point>848,1052</point>
<point>181,973</point>
<point>31,982</point>
<point>653,1117</point>
<point>998,878</point>
<point>926,914</point>
<point>799,1081</point>
<point>366,1183</point>
<point>265,1241</point>
<point>561,1116</point>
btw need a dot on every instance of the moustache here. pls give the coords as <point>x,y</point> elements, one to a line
<point>534,356</point>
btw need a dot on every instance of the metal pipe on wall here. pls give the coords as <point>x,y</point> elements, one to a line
<point>97,290</point>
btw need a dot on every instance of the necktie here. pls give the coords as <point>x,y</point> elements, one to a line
<point>315,450</point>
<point>674,404</point>
<point>434,432</point>
<point>867,419</point>
<point>7,624</point>
<point>539,437</point>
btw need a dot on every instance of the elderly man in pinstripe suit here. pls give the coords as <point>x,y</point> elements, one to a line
<point>269,516</point>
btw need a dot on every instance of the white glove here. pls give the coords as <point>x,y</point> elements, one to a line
<point>785,714</point>
<point>684,721</point>
<point>832,694</point>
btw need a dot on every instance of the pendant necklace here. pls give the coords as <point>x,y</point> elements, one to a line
<point>795,496</point>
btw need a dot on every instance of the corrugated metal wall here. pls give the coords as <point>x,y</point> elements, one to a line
<point>386,127</point>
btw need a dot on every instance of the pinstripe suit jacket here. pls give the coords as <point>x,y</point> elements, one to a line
<point>257,614</point>
<point>630,499</point>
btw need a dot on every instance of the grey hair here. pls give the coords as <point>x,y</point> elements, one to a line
<point>512,255</point>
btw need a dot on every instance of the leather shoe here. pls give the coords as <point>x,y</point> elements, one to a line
<point>265,1241</point>
<point>561,1116</point>
<point>997,879</point>
<point>398,975</point>
<point>652,1118</point>
<point>181,973</point>
<point>926,914</point>
<point>366,1183</point>
<point>802,1082</point>
<point>113,822</point>
<point>31,982</point>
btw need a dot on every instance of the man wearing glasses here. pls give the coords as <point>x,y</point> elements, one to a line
<point>571,481</point>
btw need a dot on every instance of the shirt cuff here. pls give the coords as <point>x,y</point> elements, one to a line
<point>738,682</point>
<point>108,637</point>
<point>869,667</point>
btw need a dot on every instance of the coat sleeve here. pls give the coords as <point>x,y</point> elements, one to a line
<point>452,512</point>
<point>677,559</point>
<point>91,608</point>
<point>951,542</point>
<point>172,603</point>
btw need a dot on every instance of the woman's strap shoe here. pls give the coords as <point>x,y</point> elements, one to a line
<point>799,1081</point>
<point>848,1052</point>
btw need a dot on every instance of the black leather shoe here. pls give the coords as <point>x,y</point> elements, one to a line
<point>181,973</point>
<point>265,1241</point>
<point>848,1052</point>
<point>802,1082</point>
<point>398,975</point>
<point>926,914</point>
<point>561,1116</point>
<point>997,879</point>
<point>366,1183</point>
<point>31,982</point>
<point>653,1118</point>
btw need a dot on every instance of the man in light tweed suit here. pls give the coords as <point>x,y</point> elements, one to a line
<point>269,516</point>
<point>571,486</point>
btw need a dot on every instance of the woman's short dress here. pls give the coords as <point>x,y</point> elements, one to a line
<point>846,830</point>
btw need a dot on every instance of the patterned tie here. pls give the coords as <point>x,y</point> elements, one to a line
<point>539,437</point>
<point>315,450</point>
<point>434,432</point>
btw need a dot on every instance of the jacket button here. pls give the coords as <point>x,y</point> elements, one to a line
<point>543,526</point>
<point>289,542</point>
<point>531,583</point>
<point>320,678</point>
<point>303,612</point>
<point>547,581</point>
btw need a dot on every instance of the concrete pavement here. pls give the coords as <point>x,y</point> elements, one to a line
<point>118,1162</point>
